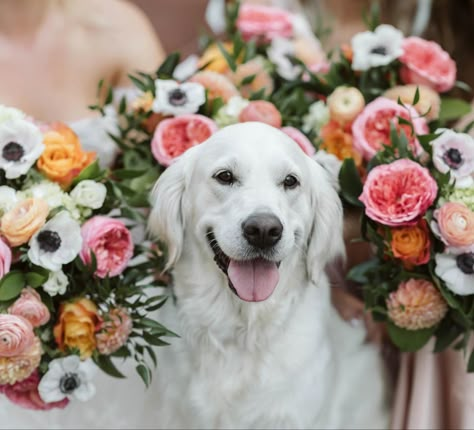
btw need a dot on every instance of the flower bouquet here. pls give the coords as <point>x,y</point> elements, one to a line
<point>70,293</point>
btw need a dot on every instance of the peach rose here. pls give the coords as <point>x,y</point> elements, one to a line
<point>261,111</point>
<point>345,103</point>
<point>16,335</point>
<point>76,326</point>
<point>5,258</point>
<point>416,304</point>
<point>30,307</point>
<point>454,223</point>
<point>63,158</point>
<point>19,367</point>
<point>114,332</point>
<point>20,223</point>
<point>428,105</point>
<point>261,80</point>
<point>217,85</point>
<point>426,63</point>
<point>338,142</point>
<point>411,244</point>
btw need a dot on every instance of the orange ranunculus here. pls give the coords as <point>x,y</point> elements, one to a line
<point>411,244</point>
<point>76,327</point>
<point>20,223</point>
<point>213,59</point>
<point>63,158</point>
<point>337,140</point>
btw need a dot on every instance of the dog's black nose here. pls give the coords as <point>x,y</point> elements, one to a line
<point>262,230</point>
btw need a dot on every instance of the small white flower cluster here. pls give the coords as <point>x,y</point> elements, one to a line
<point>229,113</point>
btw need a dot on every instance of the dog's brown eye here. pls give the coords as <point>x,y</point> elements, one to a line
<point>290,182</point>
<point>225,177</point>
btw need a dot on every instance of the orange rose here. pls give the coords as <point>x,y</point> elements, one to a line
<point>63,158</point>
<point>411,244</point>
<point>23,221</point>
<point>76,327</point>
<point>338,141</point>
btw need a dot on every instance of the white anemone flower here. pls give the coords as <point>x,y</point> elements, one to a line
<point>56,284</point>
<point>377,48</point>
<point>58,242</point>
<point>68,377</point>
<point>173,98</point>
<point>457,272</point>
<point>279,54</point>
<point>9,113</point>
<point>21,144</point>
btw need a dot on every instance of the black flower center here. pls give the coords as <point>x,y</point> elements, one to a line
<point>453,158</point>
<point>13,151</point>
<point>177,97</point>
<point>465,263</point>
<point>49,241</point>
<point>379,50</point>
<point>69,382</point>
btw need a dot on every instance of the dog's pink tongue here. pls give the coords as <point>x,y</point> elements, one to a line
<point>253,280</point>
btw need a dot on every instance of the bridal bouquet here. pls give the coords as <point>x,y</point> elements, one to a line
<point>70,293</point>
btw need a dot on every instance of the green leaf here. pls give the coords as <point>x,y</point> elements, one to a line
<point>446,334</point>
<point>416,97</point>
<point>152,355</point>
<point>409,340</point>
<point>228,57</point>
<point>452,109</point>
<point>144,373</point>
<point>358,273</point>
<point>468,127</point>
<point>470,364</point>
<point>92,171</point>
<point>154,340</point>
<point>106,364</point>
<point>248,79</point>
<point>168,66</point>
<point>350,183</point>
<point>11,285</point>
<point>128,173</point>
<point>138,83</point>
<point>36,279</point>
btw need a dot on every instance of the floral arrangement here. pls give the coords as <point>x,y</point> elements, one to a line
<point>72,293</point>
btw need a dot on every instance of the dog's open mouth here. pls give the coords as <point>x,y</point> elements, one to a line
<point>251,280</point>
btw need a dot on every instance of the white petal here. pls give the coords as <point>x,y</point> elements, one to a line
<point>84,392</point>
<point>186,68</point>
<point>71,363</point>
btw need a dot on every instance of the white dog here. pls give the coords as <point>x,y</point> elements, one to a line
<point>250,223</point>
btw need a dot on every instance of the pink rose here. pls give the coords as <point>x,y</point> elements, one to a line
<point>25,394</point>
<point>371,128</point>
<point>302,141</point>
<point>5,258</point>
<point>454,223</point>
<point>174,136</point>
<point>261,111</point>
<point>398,193</point>
<point>426,63</point>
<point>16,335</point>
<point>114,331</point>
<point>30,307</point>
<point>110,241</point>
<point>264,22</point>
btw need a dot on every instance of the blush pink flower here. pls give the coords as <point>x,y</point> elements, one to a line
<point>371,129</point>
<point>426,63</point>
<point>174,136</point>
<point>114,331</point>
<point>19,367</point>
<point>303,142</point>
<point>25,394</point>
<point>16,335</point>
<point>261,111</point>
<point>216,85</point>
<point>264,22</point>
<point>111,243</point>
<point>30,307</point>
<point>261,78</point>
<point>398,193</point>
<point>5,258</point>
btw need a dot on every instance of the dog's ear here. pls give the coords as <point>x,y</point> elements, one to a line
<point>325,243</point>
<point>166,220</point>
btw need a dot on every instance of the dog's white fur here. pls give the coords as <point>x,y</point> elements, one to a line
<point>287,362</point>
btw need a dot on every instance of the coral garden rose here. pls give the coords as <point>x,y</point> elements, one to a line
<point>16,335</point>
<point>416,304</point>
<point>398,193</point>
<point>76,326</point>
<point>114,331</point>
<point>217,85</point>
<point>429,102</point>
<point>261,111</point>
<point>426,63</point>
<point>303,142</point>
<point>19,367</point>
<point>174,136</point>
<point>261,79</point>
<point>25,394</point>
<point>411,244</point>
<point>111,243</point>
<point>345,103</point>
<point>20,223</point>
<point>371,129</point>
<point>63,158</point>
<point>264,22</point>
<point>30,307</point>
<point>454,223</point>
<point>336,140</point>
<point>5,258</point>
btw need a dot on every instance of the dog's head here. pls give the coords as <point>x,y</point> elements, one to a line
<point>250,199</point>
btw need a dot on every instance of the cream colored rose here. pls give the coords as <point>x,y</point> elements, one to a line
<point>345,103</point>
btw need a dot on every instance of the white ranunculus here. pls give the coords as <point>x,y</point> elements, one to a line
<point>89,194</point>
<point>173,98</point>
<point>229,113</point>
<point>48,191</point>
<point>376,48</point>
<point>68,377</point>
<point>9,113</point>
<point>58,242</point>
<point>21,144</point>
<point>56,284</point>
<point>8,198</point>
<point>457,272</point>
<point>316,118</point>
